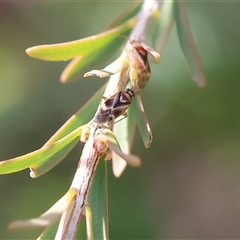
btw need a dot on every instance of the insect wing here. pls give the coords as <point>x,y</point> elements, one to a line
<point>125,99</point>
<point>118,111</point>
<point>112,101</point>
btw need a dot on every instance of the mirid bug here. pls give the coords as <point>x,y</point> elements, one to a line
<point>139,71</point>
<point>114,106</point>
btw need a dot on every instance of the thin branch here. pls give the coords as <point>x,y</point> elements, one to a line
<point>93,149</point>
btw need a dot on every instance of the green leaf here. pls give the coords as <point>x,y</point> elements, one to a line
<point>96,58</point>
<point>129,158</point>
<point>111,69</point>
<point>81,117</point>
<point>50,216</point>
<point>38,156</point>
<point>119,164</point>
<point>130,12</point>
<point>86,46</point>
<point>142,121</point>
<point>166,23</point>
<point>187,44</point>
<point>79,65</point>
<point>84,115</point>
<point>39,168</point>
<point>114,146</point>
<point>98,202</point>
<point>49,232</point>
<point>125,138</point>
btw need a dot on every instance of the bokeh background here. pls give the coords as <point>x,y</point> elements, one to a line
<point>189,184</point>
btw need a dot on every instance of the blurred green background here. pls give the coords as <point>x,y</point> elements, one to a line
<point>189,184</point>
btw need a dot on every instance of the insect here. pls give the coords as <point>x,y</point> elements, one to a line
<point>114,106</point>
<point>139,71</point>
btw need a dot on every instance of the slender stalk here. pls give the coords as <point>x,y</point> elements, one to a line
<point>90,156</point>
<point>82,180</point>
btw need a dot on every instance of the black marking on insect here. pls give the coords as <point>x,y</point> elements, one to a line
<point>114,106</point>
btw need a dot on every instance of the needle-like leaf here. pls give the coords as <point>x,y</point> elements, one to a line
<point>166,23</point>
<point>124,131</point>
<point>113,145</point>
<point>129,158</point>
<point>142,121</point>
<point>97,219</point>
<point>49,232</point>
<point>187,44</point>
<point>83,116</point>
<point>89,225</point>
<point>90,45</point>
<point>109,70</point>
<point>38,156</point>
<point>50,216</point>
<point>130,12</point>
